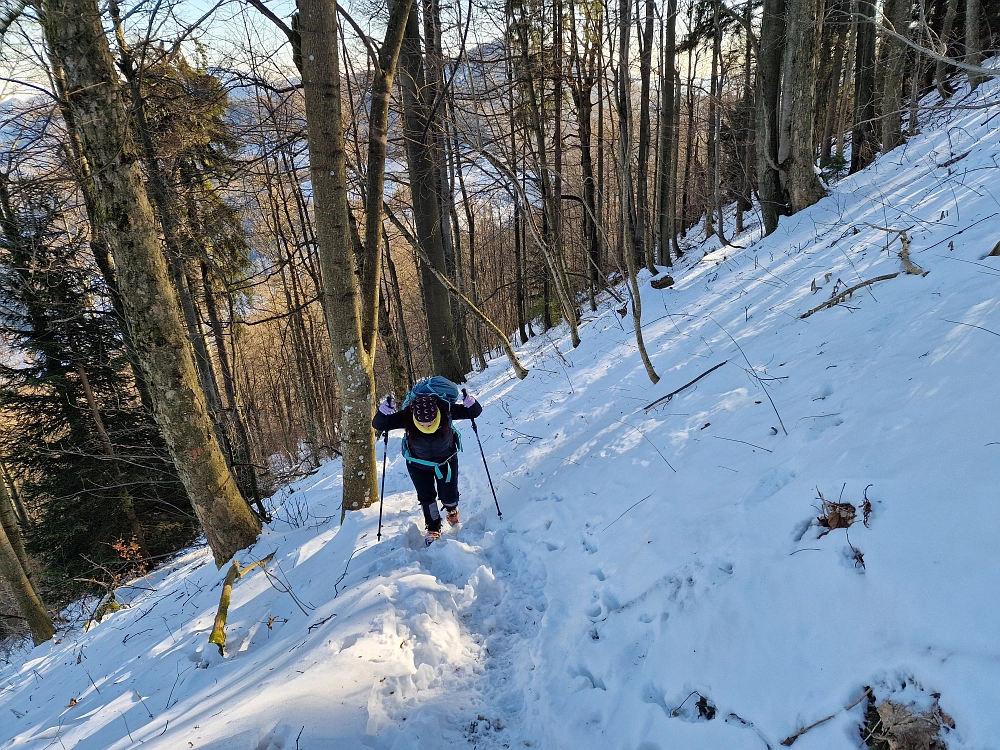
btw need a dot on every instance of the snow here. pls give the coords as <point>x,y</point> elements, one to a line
<point>645,563</point>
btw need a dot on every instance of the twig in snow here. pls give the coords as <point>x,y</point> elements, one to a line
<point>676,710</point>
<point>960,231</point>
<point>670,395</point>
<point>127,730</point>
<point>648,441</point>
<point>322,622</point>
<point>747,359</point>
<point>626,511</point>
<point>336,593</point>
<point>789,740</point>
<point>286,588</point>
<point>734,440</point>
<point>143,702</point>
<point>960,323</point>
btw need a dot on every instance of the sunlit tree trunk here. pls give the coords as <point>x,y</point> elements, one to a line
<point>341,300</point>
<point>74,31</point>
<point>32,609</point>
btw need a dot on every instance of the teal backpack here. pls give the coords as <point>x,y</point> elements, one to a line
<point>444,390</point>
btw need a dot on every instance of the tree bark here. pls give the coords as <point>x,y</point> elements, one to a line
<point>9,521</point>
<point>644,248</point>
<point>897,15</point>
<point>941,68</point>
<point>804,28</point>
<point>321,84</point>
<point>27,598</point>
<point>625,164</point>
<point>426,203</point>
<point>665,186</point>
<point>863,147</point>
<point>973,47</point>
<point>772,49</point>
<point>378,127</point>
<point>74,31</point>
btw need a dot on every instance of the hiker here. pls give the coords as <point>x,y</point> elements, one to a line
<point>431,444</point>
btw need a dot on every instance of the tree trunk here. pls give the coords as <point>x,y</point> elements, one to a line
<point>665,186</point>
<point>863,147</point>
<point>897,16</point>
<point>426,203</point>
<point>341,299</point>
<point>98,244</point>
<point>772,50</point>
<point>973,48</point>
<point>435,139</point>
<point>838,26</point>
<point>378,126</point>
<point>548,241</point>
<point>941,69</point>
<point>74,31</point>
<point>8,485</point>
<point>118,488</point>
<point>28,602</point>
<point>243,465</point>
<point>625,164</point>
<point>804,28</point>
<point>644,247</point>
<point>9,521</point>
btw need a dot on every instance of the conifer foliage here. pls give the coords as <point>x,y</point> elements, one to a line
<point>91,466</point>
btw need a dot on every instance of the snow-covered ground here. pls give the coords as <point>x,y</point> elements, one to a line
<point>651,568</point>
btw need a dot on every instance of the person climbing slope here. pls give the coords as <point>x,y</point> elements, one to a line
<point>431,444</point>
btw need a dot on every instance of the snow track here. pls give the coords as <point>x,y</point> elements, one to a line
<point>464,612</point>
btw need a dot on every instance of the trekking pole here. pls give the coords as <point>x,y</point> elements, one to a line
<point>381,496</point>
<point>485,465</point>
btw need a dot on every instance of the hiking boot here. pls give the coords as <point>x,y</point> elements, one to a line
<point>452,515</point>
<point>431,536</point>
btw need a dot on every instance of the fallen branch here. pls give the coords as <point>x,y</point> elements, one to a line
<point>789,740</point>
<point>848,292</point>
<point>670,395</point>
<point>904,254</point>
<point>218,636</point>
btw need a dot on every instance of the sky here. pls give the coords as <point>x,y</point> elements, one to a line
<point>659,578</point>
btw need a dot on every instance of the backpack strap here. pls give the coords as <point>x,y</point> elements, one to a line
<point>435,465</point>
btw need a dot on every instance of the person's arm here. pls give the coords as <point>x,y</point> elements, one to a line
<point>458,411</point>
<point>385,422</point>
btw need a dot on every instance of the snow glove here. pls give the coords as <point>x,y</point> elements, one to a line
<point>386,407</point>
<point>469,400</point>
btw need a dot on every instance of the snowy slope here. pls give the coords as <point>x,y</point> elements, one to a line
<point>645,562</point>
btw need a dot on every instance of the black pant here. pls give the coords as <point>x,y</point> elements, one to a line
<point>424,482</point>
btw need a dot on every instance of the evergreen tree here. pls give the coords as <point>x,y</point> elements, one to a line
<point>92,466</point>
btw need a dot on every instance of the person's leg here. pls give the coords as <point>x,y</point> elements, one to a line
<point>448,491</point>
<point>423,483</point>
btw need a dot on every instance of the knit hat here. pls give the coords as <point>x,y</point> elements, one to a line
<point>426,415</point>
